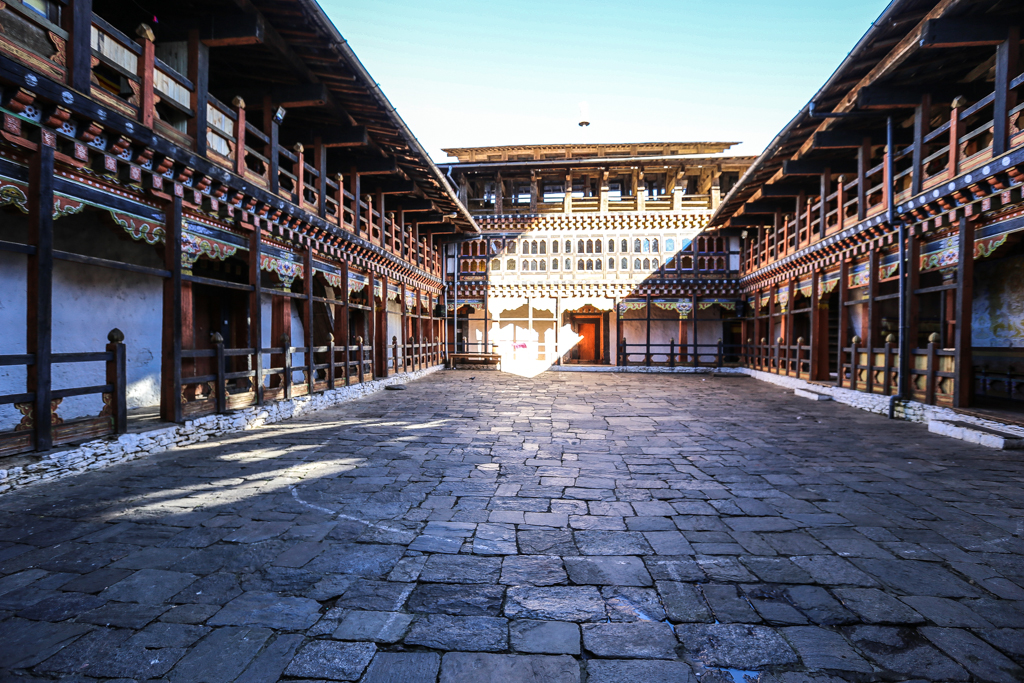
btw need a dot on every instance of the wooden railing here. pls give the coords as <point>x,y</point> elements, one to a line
<point>223,389</point>
<point>715,355</point>
<point>413,355</point>
<point>41,432</point>
<point>791,360</point>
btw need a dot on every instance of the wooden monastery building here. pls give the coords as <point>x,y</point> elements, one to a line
<point>211,208</point>
<point>880,231</point>
<point>589,254</point>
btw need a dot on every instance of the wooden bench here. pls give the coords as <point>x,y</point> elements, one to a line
<point>455,359</point>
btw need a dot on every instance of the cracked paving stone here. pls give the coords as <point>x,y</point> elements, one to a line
<point>461,569</point>
<point>634,640</point>
<point>612,543</point>
<point>331,660</point>
<point>148,586</point>
<point>220,656</point>
<point>645,671</point>
<point>555,603</point>
<point>683,603</point>
<point>533,570</point>
<point>974,655</point>
<point>378,627</point>
<point>877,607</point>
<point>625,603</point>
<point>268,609</point>
<point>361,559</point>
<point>736,646</point>
<point>403,667</point>
<point>479,601</point>
<point>608,571</point>
<point>895,650</point>
<point>822,649</point>
<point>545,637</point>
<point>460,667</point>
<point>471,634</point>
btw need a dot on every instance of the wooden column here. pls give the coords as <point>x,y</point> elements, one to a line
<point>342,332</point>
<point>567,197</point>
<point>647,349</point>
<point>170,364</point>
<point>374,332</point>
<point>256,310</point>
<point>693,326</point>
<point>499,194</point>
<point>641,191</point>
<point>381,225</point>
<point>921,115</point>
<point>826,190</point>
<point>270,128</point>
<point>819,333</point>
<point>78,56</point>
<point>38,340</point>
<point>355,190</point>
<point>863,164</point>
<point>602,192</point>
<point>308,311</point>
<point>843,318</point>
<point>280,327</point>
<point>871,326</point>
<point>320,162</point>
<point>533,192</point>
<point>1006,68</point>
<point>840,201</point>
<point>198,73</point>
<point>913,284</point>
<point>963,381</point>
<point>147,66</point>
<point>954,137</point>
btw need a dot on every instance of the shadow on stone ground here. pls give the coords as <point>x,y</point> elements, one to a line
<point>488,527</point>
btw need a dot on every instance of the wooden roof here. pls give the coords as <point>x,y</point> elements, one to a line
<point>889,56</point>
<point>584,151</point>
<point>297,47</point>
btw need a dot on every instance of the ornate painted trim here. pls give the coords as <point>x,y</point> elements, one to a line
<point>287,271</point>
<point>632,306</point>
<point>193,246</point>
<point>13,193</point>
<point>860,275</point>
<point>65,206</point>
<point>139,229</point>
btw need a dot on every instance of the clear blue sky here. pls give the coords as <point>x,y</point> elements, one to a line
<point>466,73</point>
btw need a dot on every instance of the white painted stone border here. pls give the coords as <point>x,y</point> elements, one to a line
<point>101,453</point>
<point>912,411</point>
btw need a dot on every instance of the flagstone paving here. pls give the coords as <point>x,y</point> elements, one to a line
<point>568,527</point>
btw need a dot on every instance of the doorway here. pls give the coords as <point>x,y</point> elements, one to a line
<point>588,342</point>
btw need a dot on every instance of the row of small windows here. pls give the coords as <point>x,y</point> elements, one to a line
<point>645,245</point>
<point>581,264</point>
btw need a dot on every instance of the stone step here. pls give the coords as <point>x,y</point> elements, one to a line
<point>813,395</point>
<point>983,436</point>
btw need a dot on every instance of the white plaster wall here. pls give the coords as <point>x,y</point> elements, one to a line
<point>298,336</point>
<point>88,302</point>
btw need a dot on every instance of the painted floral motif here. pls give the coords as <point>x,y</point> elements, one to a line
<point>805,287</point>
<point>727,305</point>
<point>287,271</point>
<point>139,229</point>
<point>65,206</point>
<point>333,279</point>
<point>827,284</point>
<point>631,306</point>
<point>984,248</point>
<point>860,276</point>
<point>888,270</point>
<point>13,194</point>
<point>194,246</point>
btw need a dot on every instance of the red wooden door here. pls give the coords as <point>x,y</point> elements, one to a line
<point>588,342</point>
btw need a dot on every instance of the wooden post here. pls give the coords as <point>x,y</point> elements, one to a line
<point>499,194</point>
<point>672,352</point>
<point>170,376</point>
<point>641,191</point>
<point>270,128</point>
<point>647,308</point>
<point>116,377</point>
<point>147,66</point>
<point>843,318</point>
<point>199,74</point>
<point>871,330</point>
<point>853,362</point>
<point>309,304</point>
<point>330,361</point>
<point>286,344</point>
<point>239,105</point>
<point>39,338</point>
<point>1006,68</point>
<point>840,201</point>
<point>355,190</point>
<point>567,197</point>
<point>929,391</point>
<point>256,311</point>
<point>299,171</point>
<point>346,337</point>
<point>826,190</point>
<point>913,284</point>
<point>863,164</point>
<point>962,382</point>
<point>394,354</point>
<point>887,365</point>
<point>922,113</point>
<point>602,192</point>
<point>220,384</point>
<point>533,192</point>
<point>78,56</point>
<point>954,137</point>
<point>359,357</point>
<point>819,332</point>
<point>320,162</point>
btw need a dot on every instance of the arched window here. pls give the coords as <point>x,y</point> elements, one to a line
<point>568,264</point>
<point>533,265</point>
<point>636,264</point>
<point>543,247</point>
<point>625,263</point>
<point>590,246</point>
<point>654,263</point>
<point>496,264</point>
<point>533,247</point>
<point>611,264</point>
<point>580,247</point>
<point>554,263</point>
<point>568,246</point>
<point>647,245</point>
<point>624,246</point>
<point>590,264</point>
<point>543,264</point>
<point>597,246</point>
<point>647,264</point>
<point>611,246</point>
<point>554,246</point>
<point>511,265</point>
<point>579,265</point>
<point>654,246</point>
<point>597,264</point>
<point>511,247</point>
<point>670,244</point>
<point>636,246</point>
<point>526,265</point>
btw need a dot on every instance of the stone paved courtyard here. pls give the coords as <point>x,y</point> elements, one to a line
<point>569,527</point>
